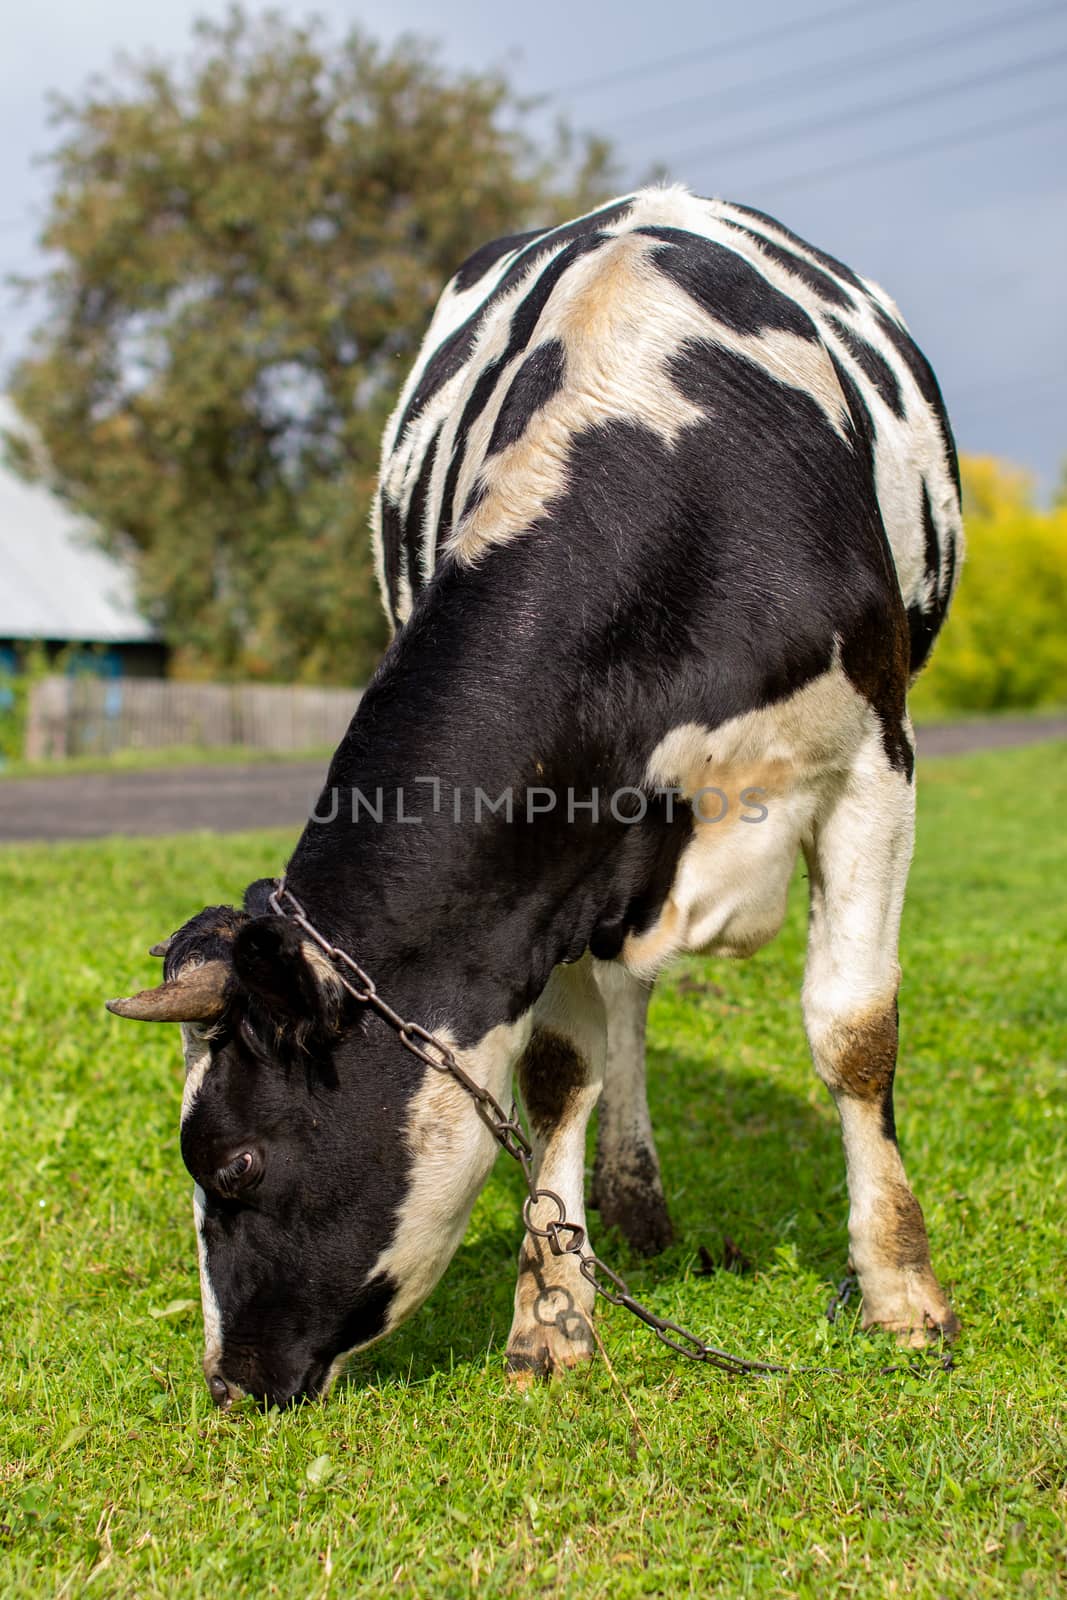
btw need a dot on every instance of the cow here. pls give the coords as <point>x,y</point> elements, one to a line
<point>668,520</point>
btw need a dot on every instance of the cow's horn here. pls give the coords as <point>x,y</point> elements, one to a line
<point>195,996</point>
<point>159,949</point>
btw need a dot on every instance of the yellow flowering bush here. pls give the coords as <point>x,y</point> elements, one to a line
<point>1005,642</point>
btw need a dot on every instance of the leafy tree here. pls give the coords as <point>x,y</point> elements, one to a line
<point>247,249</point>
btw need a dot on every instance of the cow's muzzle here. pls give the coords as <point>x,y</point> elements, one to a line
<point>224,1393</point>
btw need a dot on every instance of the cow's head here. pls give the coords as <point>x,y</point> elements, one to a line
<point>334,1172</point>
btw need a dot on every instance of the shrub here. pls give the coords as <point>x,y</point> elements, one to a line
<point>14,693</point>
<point>1005,642</point>
<point>30,663</point>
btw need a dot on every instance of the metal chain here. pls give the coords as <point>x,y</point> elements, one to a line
<point>564,1237</point>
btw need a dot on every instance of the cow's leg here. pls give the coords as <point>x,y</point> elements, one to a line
<point>858,861</point>
<point>560,1074</point>
<point>627,1188</point>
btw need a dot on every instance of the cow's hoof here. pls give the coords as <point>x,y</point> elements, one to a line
<point>545,1353</point>
<point>912,1336</point>
<point>640,1215</point>
<point>920,1316</point>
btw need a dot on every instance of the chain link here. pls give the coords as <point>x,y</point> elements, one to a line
<point>564,1237</point>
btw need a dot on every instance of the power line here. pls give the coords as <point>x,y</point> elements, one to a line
<point>880,158</point>
<point>819,72</point>
<point>787,132</point>
<point>729,47</point>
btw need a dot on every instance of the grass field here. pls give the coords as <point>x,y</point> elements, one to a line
<point>174,755</point>
<point>424,1475</point>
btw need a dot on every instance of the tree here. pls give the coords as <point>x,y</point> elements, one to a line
<point>248,248</point>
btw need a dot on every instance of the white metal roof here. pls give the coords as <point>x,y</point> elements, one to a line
<point>54,583</point>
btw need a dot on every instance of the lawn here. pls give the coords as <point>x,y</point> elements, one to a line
<point>172,755</point>
<point>424,1474</point>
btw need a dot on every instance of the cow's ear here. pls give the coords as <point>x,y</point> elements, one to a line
<point>257,896</point>
<point>271,960</point>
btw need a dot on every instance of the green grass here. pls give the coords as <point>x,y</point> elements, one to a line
<point>929,712</point>
<point>424,1475</point>
<point>174,755</point>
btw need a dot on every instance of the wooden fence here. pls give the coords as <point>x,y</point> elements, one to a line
<point>74,716</point>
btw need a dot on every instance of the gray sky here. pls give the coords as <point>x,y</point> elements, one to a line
<point>969,234</point>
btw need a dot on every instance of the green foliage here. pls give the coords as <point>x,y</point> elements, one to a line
<point>1005,642</point>
<point>248,249</point>
<point>13,694</point>
<point>424,1475</point>
<point>14,702</point>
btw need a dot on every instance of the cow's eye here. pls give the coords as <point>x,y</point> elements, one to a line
<point>239,1173</point>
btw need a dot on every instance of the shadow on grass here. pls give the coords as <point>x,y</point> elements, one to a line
<point>743,1157</point>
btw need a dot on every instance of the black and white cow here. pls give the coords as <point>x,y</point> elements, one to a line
<point>668,519</point>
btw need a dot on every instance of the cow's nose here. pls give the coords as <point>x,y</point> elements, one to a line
<point>224,1394</point>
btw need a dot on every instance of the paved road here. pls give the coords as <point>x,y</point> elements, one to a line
<point>167,800</point>
<point>228,798</point>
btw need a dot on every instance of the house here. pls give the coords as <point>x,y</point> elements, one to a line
<point>60,590</point>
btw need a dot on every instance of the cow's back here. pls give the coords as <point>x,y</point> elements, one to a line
<point>680,316</point>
